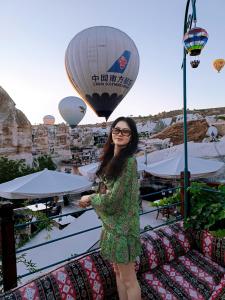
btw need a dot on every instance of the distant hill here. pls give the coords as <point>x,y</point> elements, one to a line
<point>173,113</point>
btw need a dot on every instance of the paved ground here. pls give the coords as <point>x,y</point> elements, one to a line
<point>145,220</point>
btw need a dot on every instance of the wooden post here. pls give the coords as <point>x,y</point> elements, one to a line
<point>182,193</point>
<point>7,246</point>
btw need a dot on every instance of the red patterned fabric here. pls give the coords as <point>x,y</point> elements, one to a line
<point>190,277</point>
<point>64,283</point>
<point>219,292</point>
<point>163,245</point>
<point>169,268</point>
<point>93,277</point>
<point>89,278</point>
<point>211,246</point>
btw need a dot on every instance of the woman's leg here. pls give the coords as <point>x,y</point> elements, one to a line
<point>129,279</point>
<point>122,291</point>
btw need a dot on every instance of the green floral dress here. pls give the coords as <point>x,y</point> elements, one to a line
<point>119,213</point>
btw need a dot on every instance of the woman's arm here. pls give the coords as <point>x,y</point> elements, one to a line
<point>112,201</point>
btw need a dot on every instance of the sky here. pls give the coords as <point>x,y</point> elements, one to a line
<point>35,34</point>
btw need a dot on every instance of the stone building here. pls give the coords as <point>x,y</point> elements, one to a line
<point>15,130</point>
<point>53,140</point>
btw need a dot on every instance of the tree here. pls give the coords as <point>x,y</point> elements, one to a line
<point>11,169</point>
<point>42,162</point>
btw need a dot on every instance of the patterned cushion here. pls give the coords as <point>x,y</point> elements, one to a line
<point>163,245</point>
<point>219,292</point>
<point>90,277</point>
<point>211,246</point>
<point>191,276</point>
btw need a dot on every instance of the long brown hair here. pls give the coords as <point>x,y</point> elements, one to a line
<point>111,166</point>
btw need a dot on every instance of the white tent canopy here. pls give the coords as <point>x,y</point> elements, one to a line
<point>173,166</point>
<point>43,184</point>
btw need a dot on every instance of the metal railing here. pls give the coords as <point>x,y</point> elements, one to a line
<point>8,252</point>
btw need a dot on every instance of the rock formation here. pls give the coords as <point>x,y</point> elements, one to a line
<point>15,130</point>
<point>196,132</point>
<point>53,140</point>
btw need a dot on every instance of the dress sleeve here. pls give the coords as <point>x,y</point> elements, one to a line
<point>111,202</point>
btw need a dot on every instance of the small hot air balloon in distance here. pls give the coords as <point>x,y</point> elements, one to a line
<point>218,64</point>
<point>102,64</point>
<point>49,120</point>
<point>72,109</point>
<point>194,41</point>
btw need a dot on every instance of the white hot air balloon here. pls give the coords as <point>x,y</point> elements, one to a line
<point>72,110</point>
<point>102,64</point>
<point>49,120</point>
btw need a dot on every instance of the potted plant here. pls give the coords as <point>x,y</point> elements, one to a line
<point>207,209</point>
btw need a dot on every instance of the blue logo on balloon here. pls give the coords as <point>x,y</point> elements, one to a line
<point>121,63</point>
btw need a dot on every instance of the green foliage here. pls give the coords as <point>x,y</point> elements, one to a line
<point>42,162</point>
<point>168,200</point>
<point>220,233</point>
<point>207,207</point>
<point>220,117</point>
<point>43,223</point>
<point>10,169</point>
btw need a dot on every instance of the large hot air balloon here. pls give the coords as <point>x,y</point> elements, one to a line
<point>102,64</point>
<point>218,64</point>
<point>72,110</point>
<point>49,120</point>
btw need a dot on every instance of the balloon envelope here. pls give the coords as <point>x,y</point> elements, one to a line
<point>49,120</point>
<point>102,64</point>
<point>219,64</point>
<point>72,110</point>
<point>195,40</point>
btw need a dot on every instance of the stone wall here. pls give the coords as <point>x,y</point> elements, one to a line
<point>15,130</point>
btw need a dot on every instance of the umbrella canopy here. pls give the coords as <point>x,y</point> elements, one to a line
<point>172,167</point>
<point>43,184</point>
<point>90,170</point>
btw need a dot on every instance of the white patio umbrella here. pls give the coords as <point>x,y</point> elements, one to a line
<point>43,184</point>
<point>172,167</point>
<point>90,170</point>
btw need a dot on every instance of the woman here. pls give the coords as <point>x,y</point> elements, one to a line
<point>118,206</point>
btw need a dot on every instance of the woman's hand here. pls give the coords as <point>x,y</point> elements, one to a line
<point>85,201</point>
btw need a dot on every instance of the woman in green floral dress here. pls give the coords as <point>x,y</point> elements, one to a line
<point>118,205</point>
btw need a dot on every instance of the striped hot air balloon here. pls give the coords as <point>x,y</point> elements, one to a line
<point>102,64</point>
<point>195,40</point>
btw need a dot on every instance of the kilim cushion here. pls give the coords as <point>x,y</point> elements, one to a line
<point>219,292</point>
<point>163,245</point>
<point>90,277</point>
<point>191,277</point>
<point>211,246</point>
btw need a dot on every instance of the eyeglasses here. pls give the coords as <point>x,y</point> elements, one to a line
<point>123,131</point>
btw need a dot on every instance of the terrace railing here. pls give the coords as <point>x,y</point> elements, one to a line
<point>8,250</point>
